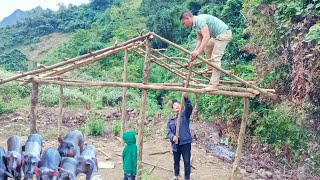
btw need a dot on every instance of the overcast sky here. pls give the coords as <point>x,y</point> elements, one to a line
<point>9,6</point>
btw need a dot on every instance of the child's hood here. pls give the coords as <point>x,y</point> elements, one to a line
<point>129,137</point>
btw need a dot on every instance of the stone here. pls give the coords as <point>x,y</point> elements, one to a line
<point>269,174</point>
<point>249,169</point>
<point>262,173</point>
<point>243,171</point>
<point>7,126</point>
<point>106,165</point>
<point>253,176</point>
<point>97,177</point>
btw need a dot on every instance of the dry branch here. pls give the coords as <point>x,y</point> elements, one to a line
<point>161,152</point>
<point>161,167</point>
<point>104,153</point>
<point>153,168</point>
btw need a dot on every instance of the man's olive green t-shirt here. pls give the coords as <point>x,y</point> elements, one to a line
<point>215,25</point>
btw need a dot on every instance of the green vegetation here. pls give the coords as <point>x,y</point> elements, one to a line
<point>95,124</point>
<point>116,127</point>
<point>275,43</point>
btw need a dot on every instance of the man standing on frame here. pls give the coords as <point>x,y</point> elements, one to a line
<point>213,36</point>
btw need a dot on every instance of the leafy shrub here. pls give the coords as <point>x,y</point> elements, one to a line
<point>1,108</point>
<point>14,60</point>
<point>314,34</point>
<point>95,124</point>
<point>278,129</point>
<point>116,127</point>
<point>49,96</point>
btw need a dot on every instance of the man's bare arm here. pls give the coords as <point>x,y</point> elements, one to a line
<point>205,38</point>
<point>199,36</point>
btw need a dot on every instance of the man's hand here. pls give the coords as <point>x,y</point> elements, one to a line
<point>175,139</point>
<point>184,94</point>
<point>194,55</point>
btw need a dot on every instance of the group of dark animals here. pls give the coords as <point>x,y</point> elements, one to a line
<point>64,163</point>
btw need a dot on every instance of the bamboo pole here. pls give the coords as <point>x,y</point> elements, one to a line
<point>87,61</point>
<point>225,88</point>
<point>168,67</point>
<point>182,103</point>
<point>215,66</point>
<point>146,70</point>
<point>34,102</point>
<point>181,65</point>
<point>196,108</point>
<point>124,96</point>
<point>242,132</point>
<point>72,60</point>
<point>143,86</point>
<point>61,101</point>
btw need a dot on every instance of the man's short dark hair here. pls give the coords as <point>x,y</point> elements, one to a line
<point>185,14</point>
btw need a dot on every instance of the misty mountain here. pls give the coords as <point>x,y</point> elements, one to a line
<point>18,15</point>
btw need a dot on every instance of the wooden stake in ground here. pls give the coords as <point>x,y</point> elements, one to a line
<point>124,96</point>
<point>61,99</point>
<point>34,102</point>
<point>242,132</point>
<point>182,103</point>
<point>146,70</point>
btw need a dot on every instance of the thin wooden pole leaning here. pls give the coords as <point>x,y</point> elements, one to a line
<point>34,102</point>
<point>215,66</point>
<point>242,132</point>
<point>182,103</point>
<point>124,96</point>
<point>61,102</point>
<point>146,69</point>
<point>87,61</point>
<point>168,67</point>
<point>179,64</point>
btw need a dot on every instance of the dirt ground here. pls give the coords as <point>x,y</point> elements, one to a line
<point>207,166</point>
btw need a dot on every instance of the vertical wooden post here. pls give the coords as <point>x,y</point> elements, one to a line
<point>34,102</point>
<point>124,96</point>
<point>196,108</point>
<point>146,70</point>
<point>61,101</point>
<point>182,102</point>
<point>242,132</point>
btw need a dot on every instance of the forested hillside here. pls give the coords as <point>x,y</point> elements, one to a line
<point>275,43</point>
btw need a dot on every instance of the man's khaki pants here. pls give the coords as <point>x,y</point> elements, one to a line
<point>214,52</point>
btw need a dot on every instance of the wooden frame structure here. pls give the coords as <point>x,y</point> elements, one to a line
<point>192,80</point>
